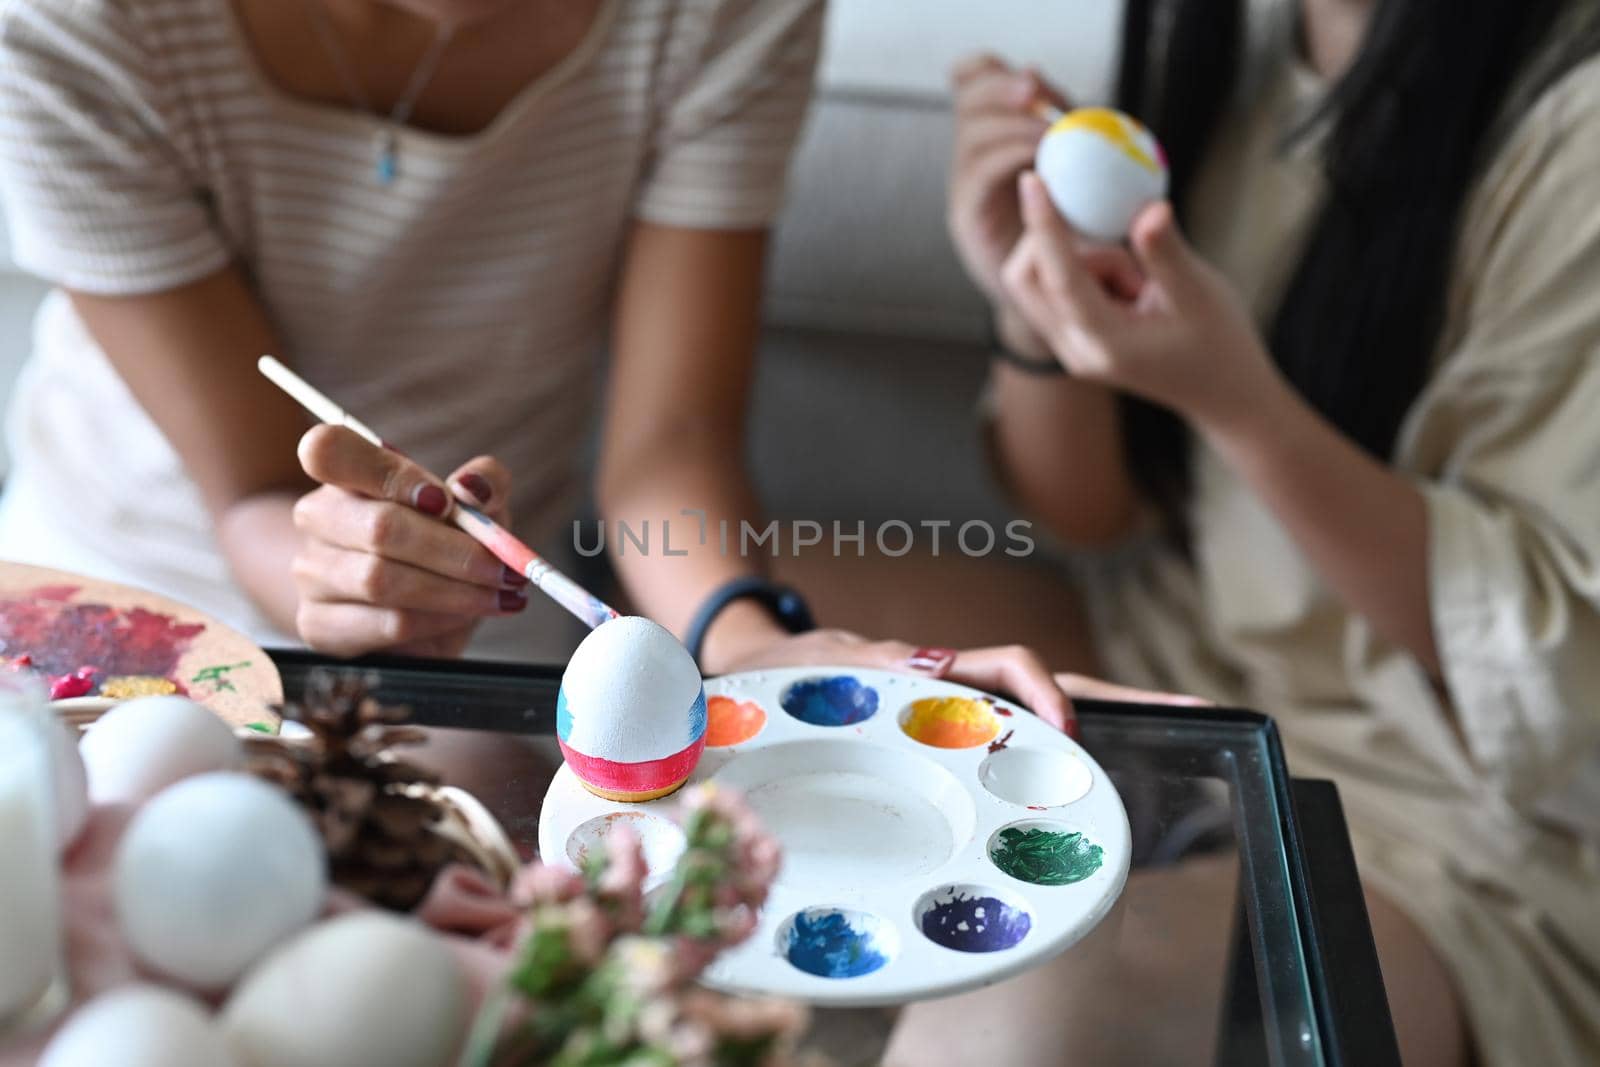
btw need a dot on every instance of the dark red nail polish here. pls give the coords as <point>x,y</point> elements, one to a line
<point>512,601</point>
<point>934,661</point>
<point>1071,730</point>
<point>478,486</point>
<point>431,500</point>
<point>515,579</point>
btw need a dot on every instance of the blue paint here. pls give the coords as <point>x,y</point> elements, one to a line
<point>828,944</point>
<point>563,715</point>
<point>970,922</point>
<point>838,701</point>
<point>697,717</point>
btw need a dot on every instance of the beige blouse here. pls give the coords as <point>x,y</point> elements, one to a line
<point>1448,794</point>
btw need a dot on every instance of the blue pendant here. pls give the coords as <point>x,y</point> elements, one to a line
<point>386,166</point>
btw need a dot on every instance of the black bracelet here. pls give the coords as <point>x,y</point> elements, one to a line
<point>786,606</point>
<point>1039,368</point>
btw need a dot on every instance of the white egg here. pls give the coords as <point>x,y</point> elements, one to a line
<point>71,783</point>
<point>213,872</point>
<point>631,693</point>
<point>137,749</point>
<point>139,1026</point>
<point>367,989</point>
<point>1101,168</point>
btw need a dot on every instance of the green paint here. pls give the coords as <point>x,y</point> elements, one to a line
<point>215,676</point>
<point>260,727</point>
<point>1046,857</point>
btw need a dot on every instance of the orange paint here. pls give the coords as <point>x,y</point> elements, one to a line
<point>732,722</point>
<point>950,722</point>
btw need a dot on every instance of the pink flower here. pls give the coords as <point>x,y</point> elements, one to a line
<point>588,930</point>
<point>542,883</point>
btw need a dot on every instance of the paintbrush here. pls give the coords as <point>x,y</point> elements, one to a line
<point>473,522</point>
<point>1045,110</point>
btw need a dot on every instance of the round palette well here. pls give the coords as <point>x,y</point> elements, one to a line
<point>935,839</point>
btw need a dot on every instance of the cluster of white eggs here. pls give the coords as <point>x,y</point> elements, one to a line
<point>217,884</point>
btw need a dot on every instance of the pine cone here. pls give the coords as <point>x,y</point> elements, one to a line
<point>376,812</point>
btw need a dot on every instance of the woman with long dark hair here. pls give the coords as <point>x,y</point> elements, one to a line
<point>1341,427</point>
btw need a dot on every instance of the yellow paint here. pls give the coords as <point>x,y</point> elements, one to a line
<point>951,722</point>
<point>127,687</point>
<point>623,797</point>
<point>1114,126</point>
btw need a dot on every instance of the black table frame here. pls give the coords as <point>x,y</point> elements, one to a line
<point>1345,985</point>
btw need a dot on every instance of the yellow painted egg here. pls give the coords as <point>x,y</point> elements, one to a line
<point>1101,168</point>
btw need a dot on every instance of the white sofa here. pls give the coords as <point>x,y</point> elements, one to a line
<point>874,353</point>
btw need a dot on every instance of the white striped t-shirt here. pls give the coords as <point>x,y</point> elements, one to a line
<point>460,310</point>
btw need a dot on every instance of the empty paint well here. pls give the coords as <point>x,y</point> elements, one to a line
<point>971,918</point>
<point>950,722</point>
<point>662,841</point>
<point>732,722</point>
<point>1044,853</point>
<point>852,813</point>
<point>837,942</point>
<point>1035,777</point>
<point>838,701</point>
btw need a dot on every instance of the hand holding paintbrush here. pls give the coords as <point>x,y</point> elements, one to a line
<point>469,519</point>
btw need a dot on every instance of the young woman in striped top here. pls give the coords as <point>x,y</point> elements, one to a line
<point>438,211</point>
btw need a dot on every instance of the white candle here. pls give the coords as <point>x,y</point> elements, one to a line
<point>30,910</point>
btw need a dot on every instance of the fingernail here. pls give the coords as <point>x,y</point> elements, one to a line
<point>515,579</point>
<point>477,486</point>
<point>934,661</point>
<point>1071,729</point>
<point>430,499</point>
<point>512,601</point>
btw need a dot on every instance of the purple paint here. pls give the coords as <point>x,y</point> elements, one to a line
<point>969,919</point>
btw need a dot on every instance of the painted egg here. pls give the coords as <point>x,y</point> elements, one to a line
<point>363,990</point>
<point>71,783</point>
<point>213,872</point>
<point>139,1026</point>
<point>1101,167</point>
<point>137,749</point>
<point>631,716</point>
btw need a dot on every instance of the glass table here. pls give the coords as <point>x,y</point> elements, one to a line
<point>1298,981</point>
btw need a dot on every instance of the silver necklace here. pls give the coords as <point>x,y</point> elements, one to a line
<point>386,146</point>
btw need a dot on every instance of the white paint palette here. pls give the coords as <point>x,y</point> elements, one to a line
<point>935,839</point>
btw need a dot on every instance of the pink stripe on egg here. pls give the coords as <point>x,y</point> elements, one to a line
<point>643,777</point>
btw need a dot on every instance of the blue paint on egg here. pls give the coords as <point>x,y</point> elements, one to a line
<point>834,944</point>
<point>563,716</point>
<point>838,701</point>
<point>697,717</point>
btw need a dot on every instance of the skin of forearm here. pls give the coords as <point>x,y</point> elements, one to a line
<point>1058,444</point>
<point>685,333</point>
<point>1362,526</point>
<point>259,540</point>
<point>656,484</point>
